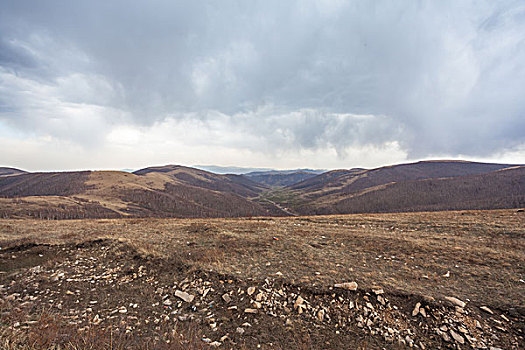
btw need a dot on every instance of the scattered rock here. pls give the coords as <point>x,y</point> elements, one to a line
<point>320,315</point>
<point>347,285</point>
<point>458,338</point>
<point>184,296</point>
<point>96,320</point>
<point>486,309</point>
<point>456,301</point>
<point>446,337</point>
<point>333,310</point>
<point>416,309</point>
<point>299,302</point>
<point>226,297</point>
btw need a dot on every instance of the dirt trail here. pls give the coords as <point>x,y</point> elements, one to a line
<point>280,207</point>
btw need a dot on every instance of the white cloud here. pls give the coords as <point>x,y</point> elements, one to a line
<point>265,80</point>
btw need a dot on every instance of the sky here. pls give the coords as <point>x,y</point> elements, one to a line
<point>273,84</point>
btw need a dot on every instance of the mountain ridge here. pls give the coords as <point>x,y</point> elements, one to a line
<point>185,192</point>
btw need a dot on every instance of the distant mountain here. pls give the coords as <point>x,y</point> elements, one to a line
<point>353,180</point>
<point>503,188</point>
<point>228,169</point>
<point>184,192</point>
<point>286,172</point>
<point>203,179</point>
<point>267,177</point>
<point>168,191</point>
<point>253,171</point>
<point>332,178</point>
<point>325,193</point>
<point>280,179</point>
<point>10,171</point>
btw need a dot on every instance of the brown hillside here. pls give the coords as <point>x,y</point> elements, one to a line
<point>354,180</point>
<point>237,184</point>
<point>328,179</point>
<point>176,192</point>
<point>499,189</point>
<point>44,184</point>
<point>4,171</point>
<point>281,179</point>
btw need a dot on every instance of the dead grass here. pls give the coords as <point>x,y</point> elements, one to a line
<point>408,253</point>
<point>50,331</point>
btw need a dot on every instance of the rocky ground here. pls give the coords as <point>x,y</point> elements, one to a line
<point>150,298</point>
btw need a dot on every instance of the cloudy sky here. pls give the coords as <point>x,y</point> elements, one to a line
<point>282,84</point>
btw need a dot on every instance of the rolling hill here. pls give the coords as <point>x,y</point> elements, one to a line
<point>4,171</point>
<point>349,181</point>
<point>503,188</point>
<point>280,179</point>
<point>184,192</point>
<point>327,192</point>
<point>170,191</point>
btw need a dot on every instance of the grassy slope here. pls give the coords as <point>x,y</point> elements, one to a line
<point>412,187</point>
<point>174,192</point>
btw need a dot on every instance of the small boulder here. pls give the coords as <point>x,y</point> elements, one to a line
<point>298,302</point>
<point>347,285</point>
<point>486,309</point>
<point>416,309</point>
<point>456,302</point>
<point>184,296</point>
<point>378,291</point>
<point>226,297</point>
<point>458,338</point>
<point>320,315</point>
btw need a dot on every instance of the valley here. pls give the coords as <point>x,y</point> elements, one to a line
<point>184,192</point>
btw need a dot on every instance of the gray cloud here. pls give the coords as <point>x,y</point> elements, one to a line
<point>439,78</point>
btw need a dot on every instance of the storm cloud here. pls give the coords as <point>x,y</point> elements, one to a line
<point>315,82</point>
